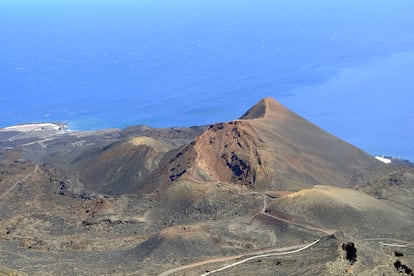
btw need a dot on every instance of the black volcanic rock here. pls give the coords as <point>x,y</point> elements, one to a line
<point>270,188</point>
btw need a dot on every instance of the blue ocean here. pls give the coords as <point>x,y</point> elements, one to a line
<point>345,65</point>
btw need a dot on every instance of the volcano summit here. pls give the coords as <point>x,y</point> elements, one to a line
<point>255,194</point>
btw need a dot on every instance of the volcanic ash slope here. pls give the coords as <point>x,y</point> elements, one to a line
<point>270,148</point>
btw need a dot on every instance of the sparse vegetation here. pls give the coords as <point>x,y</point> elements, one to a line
<point>195,200</point>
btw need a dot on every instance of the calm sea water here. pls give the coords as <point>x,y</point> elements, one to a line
<point>347,65</point>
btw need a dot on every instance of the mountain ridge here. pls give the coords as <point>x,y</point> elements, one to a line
<point>186,200</point>
<point>270,147</point>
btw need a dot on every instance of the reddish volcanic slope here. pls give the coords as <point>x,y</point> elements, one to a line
<point>269,147</point>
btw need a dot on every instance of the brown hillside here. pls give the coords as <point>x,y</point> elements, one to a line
<point>270,147</point>
<point>268,108</point>
<point>118,168</point>
<point>342,209</point>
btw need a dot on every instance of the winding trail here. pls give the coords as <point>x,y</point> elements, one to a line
<point>391,242</point>
<point>20,181</point>
<point>289,221</point>
<point>264,205</point>
<point>259,254</point>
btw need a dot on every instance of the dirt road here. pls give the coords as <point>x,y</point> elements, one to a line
<point>19,181</point>
<point>259,254</point>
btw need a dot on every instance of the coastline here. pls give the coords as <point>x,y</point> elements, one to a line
<point>62,128</point>
<point>44,126</point>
